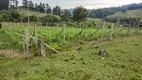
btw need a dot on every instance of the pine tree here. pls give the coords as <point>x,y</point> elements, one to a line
<point>4,4</point>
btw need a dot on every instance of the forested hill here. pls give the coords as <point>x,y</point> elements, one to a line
<point>101,13</point>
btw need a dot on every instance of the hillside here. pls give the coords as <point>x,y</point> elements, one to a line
<point>103,12</point>
<point>129,14</point>
<point>38,14</point>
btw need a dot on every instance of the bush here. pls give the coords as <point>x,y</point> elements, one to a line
<point>9,16</point>
<point>70,24</point>
<point>33,18</point>
<point>49,18</point>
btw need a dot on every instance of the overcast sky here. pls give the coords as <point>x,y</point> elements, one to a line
<point>90,4</point>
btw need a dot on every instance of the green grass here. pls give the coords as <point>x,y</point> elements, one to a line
<point>128,14</point>
<point>122,63</point>
<point>94,19</point>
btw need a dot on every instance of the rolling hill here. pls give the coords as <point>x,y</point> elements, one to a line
<point>38,14</point>
<point>129,14</point>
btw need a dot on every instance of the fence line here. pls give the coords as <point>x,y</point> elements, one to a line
<point>114,29</point>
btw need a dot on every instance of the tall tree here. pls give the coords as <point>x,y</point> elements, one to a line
<point>31,5</point>
<point>4,4</point>
<point>48,9</point>
<point>57,10</point>
<point>16,3</point>
<point>13,3</point>
<point>41,7</point>
<point>80,13</point>
<point>25,3</point>
<point>36,7</point>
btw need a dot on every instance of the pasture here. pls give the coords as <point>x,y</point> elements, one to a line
<point>123,62</point>
<point>78,55</point>
<point>43,42</point>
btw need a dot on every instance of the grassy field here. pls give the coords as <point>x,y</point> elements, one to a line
<point>122,63</point>
<point>128,14</point>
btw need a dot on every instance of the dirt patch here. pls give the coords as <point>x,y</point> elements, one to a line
<point>11,53</point>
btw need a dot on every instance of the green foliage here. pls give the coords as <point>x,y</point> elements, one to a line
<point>49,18</point>
<point>4,18</point>
<point>33,18</point>
<point>79,14</point>
<point>102,13</point>
<point>9,16</point>
<point>14,16</point>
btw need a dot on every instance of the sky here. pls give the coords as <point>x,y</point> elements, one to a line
<point>89,4</point>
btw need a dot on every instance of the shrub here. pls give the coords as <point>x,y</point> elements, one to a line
<point>48,18</point>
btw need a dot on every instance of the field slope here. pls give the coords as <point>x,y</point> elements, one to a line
<point>122,63</point>
<point>38,14</point>
<point>129,14</point>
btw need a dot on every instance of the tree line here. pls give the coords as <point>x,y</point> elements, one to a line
<point>8,12</point>
<point>41,7</point>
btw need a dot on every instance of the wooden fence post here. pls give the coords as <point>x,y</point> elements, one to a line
<point>129,29</point>
<point>64,32</point>
<point>74,24</point>
<point>35,31</point>
<point>138,26</point>
<point>27,43</point>
<point>42,47</point>
<point>35,35</point>
<point>80,24</point>
<point>85,25</point>
<point>103,30</point>
<point>51,48</point>
<point>117,28</point>
<point>0,25</point>
<point>111,32</point>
